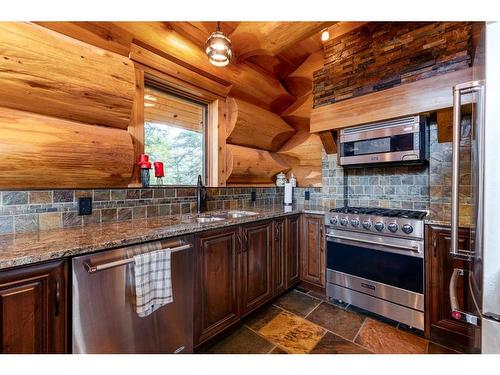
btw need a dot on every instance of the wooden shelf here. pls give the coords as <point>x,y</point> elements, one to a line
<point>426,95</point>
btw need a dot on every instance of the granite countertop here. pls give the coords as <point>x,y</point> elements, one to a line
<point>26,248</point>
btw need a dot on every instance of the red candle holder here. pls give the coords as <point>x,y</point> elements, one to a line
<point>144,161</point>
<point>158,165</point>
<point>159,172</point>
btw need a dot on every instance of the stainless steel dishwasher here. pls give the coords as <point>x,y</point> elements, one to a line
<point>103,315</point>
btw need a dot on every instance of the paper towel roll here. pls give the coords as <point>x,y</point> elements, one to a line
<point>288,193</point>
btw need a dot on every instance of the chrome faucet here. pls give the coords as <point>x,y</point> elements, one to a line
<point>201,196</point>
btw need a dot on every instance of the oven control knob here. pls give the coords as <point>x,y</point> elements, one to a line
<point>367,224</point>
<point>379,226</point>
<point>334,220</point>
<point>355,222</point>
<point>393,227</point>
<point>407,228</point>
<point>344,221</point>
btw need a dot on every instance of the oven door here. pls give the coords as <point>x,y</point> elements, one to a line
<point>389,268</point>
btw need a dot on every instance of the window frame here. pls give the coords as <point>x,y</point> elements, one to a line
<point>196,88</point>
<point>165,88</point>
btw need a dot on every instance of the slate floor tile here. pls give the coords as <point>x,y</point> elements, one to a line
<point>292,333</point>
<point>298,303</point>
<point>342,322</point>
<point>241,341</point>
<point>263,316</point>
<point>277,350</point>
<point>333,344</point>
<point>381,338</point>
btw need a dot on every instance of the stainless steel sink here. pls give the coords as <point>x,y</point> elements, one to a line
<point>209,219</point>
<point>237,214</point>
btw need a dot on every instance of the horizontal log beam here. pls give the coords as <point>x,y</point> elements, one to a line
<point>49,73</point>
<point>252,126</point>
<point>40,152</point>
<point>249,166</point>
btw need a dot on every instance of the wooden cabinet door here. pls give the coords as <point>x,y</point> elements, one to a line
<point>292,250</point>
<point>256,265</point>
<point>33,309</point>
<point>440,326</point>
<point>313,250</point>
<point>279,256</point>
<point>216,303</point>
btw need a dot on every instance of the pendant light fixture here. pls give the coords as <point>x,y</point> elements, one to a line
<point>218,48</point>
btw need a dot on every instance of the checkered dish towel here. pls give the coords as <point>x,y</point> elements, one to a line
<point>153,281</point>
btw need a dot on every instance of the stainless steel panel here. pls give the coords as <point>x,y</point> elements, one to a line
<point>104,318</point>
<point>491,231</point>
<point>381,129</point>
<point>490,336</point>
<point>387,292</point>
<point>388,244</point>
<point>417,233</point>
<point>402,314</point>
<point>380,157</point>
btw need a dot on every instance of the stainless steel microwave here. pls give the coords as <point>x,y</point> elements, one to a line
<point>402,141</point>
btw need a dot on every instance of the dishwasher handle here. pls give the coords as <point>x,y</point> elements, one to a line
<point>91,268</point>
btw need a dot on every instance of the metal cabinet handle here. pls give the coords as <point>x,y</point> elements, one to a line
<point>90,268</point>
<point>245,242</point>
<point>238,237</point>
<point>456,313</point>
<point>458,91</point>
<point>57,306</point>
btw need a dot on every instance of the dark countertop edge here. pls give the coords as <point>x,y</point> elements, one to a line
<point>443,223</point>
<point>162,233</point>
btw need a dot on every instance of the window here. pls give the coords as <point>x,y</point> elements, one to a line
<point>175,133</point>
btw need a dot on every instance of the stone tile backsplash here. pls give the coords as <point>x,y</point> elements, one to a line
<point>27,211</point>
<point>402,187</point>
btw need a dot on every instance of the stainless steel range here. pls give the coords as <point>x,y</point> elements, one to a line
<point>375,260</point>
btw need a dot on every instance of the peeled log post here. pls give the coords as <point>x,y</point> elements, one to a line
<point>248,166</point>
<point>49,73</point>
<point>303,153</point>
<point>299,82</point>
<point>252,126</point>
<point>42,152</point>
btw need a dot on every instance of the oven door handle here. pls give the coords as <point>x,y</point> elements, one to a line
<point>412,248</point>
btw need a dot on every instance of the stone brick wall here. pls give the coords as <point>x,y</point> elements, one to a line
<point>381,55</point>
<point>26,211</point>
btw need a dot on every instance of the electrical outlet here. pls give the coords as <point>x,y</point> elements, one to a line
<point>253,196</point>
<point>307,195</point>
<point>85,206</point>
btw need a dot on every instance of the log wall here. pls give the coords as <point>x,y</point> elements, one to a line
<point>65,107</point>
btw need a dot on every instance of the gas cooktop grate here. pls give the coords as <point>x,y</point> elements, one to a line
<point>408,214</point>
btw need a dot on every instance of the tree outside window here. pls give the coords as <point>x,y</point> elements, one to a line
<point>174,133</point>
